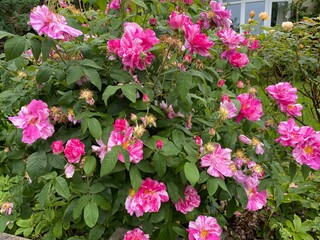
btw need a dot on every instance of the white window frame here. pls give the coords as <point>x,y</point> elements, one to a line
<point>267,8</point>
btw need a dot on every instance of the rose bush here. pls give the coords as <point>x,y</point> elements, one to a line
<point>157,129</point>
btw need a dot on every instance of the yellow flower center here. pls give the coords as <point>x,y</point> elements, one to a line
<point>204,233</point>
<point>125,145</point>
<point>308,150</point>
<point>32,121</point>
<point>132,192</point>
<point>223,113</point>
<point>255,141</point>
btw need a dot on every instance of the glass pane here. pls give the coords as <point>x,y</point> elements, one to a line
<point>235,15</point>
<point>280,13</point>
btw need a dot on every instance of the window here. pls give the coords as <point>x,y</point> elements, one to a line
<point>278,11</point>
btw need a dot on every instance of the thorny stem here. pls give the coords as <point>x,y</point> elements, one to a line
<point>161,67</point>
<point>57,50</point>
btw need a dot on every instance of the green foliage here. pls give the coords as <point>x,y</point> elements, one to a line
<point>14,15</point>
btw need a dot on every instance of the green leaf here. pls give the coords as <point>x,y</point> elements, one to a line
<point>231,207</point>
<point>61,186</point>
<point>89,165</point>
<point>191,172</point>
<point>184,83</point>
<point>43,196</point>
<point>4,34</point>
<point>91,214</point>
<point>135,177</point>
<point>140,3</point>
<point>56,161</point>
<point>110,90</point>
<point>24,223</point>
<point>94,77</point>
<point>145,166</point>
<point>173,191</point>
<point>242,196</point>
<point>121,76</point>
<point>160,164</point>
<point>46,48</point>
<point>101,202</point>
<point>110,160</point>
<point>182,232</point>
<point>14,47</point>
<point>169,149</point>
<point>57,230</point>
<point>126,157</point>
<point>292,170</point>
<point>297,223</point>
<point>265,183</point>
<point>36,48</point>
<point>212,186</point>
<point>82,201</point>
<point>278,194</point>
<point>96,232</point>
<point>178,138</point>
<point>307,225</point>
<point>97,187</point>
<point>44,74</point>
<point>74,73</point>
<point>130,91</point>
<point>159,216</point>
<point>36,165</point>
<point>90,63</point>
<point>95,128</point>
<point>4,219</point>
<point>305,170</point>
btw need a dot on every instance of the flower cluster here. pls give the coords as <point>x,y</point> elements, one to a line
<point>133,46</point>
<point>147,199</point>
<point>286,97</point>
<point>304,140</point>
<point>219,16</point>
<point>247,173</point>
<point>195,41</point>
<point>34,120</point>
<point>73,151</point>
<point>231,40</point>
<point>53,25</point>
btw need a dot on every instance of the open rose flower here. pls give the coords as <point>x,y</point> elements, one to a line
<point>136,234</point>
<point>74,150</point>
<point>34,120</point>
<point>251,107</point>
<point>191,201</point>
<point>147,199</point>
<point>204,228</point>
<point>53,25</point>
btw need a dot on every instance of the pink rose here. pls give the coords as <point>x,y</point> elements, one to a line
<point>159,144</point>
<point>69,170</point>
<point>57,147</point>
<point>238,60</point>
<point>74,150</point>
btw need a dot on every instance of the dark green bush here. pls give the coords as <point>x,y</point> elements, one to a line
<point>14,15</point>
